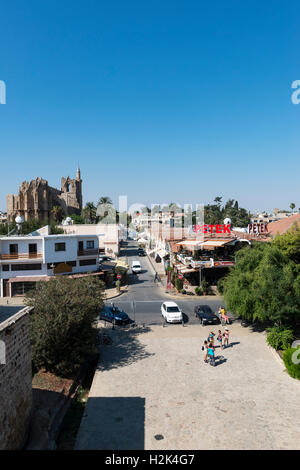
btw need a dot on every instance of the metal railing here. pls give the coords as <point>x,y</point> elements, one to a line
<point>21,256</point>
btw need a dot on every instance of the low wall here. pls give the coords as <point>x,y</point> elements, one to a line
<point>15,381</point>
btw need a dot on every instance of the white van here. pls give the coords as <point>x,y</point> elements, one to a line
<point>136,267</point>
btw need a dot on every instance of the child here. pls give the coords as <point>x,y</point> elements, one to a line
<point>226,334</point>
<point>219,338</point>
<point>211,353</point>
<point>204,348</point>
<point>211,338</point>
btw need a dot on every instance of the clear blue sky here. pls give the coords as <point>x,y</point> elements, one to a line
<point>160,100</point>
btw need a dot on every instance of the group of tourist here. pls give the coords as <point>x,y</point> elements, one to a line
<point>209,345</point>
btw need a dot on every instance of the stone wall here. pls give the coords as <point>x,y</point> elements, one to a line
<point>15,381</point>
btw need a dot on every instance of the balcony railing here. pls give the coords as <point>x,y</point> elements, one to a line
<point>21,256</point>
<point>87,252</point>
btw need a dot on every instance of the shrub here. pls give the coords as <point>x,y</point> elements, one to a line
<point>179,284</point>
<point>205,286</point>
<point>279,337</point>
<point>220,285</point>
<point>292,368</point>
<point>183,291</point>
<point>198,291</point>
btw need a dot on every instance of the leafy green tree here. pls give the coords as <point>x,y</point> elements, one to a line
<point>289,243</point>
<point>264,285</point>
<point>77,219</point>
<point>62,323</point>
<point>292,206</point>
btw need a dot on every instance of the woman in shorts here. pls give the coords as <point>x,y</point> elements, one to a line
<point>220,338</point>
<point>226,340</point>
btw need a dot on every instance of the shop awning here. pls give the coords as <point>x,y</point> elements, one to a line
<point>212,244</point>
<point>30,279</point>
<point>188,270</point>
<point>190,243</point>
<point>206,244</point>
<point>162,253</point>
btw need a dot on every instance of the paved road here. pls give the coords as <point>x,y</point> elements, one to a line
<point>148,296</point>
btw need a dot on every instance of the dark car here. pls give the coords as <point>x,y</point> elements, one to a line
<point>103,259</point>
<point>141,252</point>
<point>114,314</point>
<point>206,315</point>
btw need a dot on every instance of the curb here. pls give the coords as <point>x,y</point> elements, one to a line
<point>119,294</point>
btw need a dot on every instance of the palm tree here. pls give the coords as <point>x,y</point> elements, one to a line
<point>104,200</point>
<point>89,212</point>
<point>57,213</point>
<point>292,206</point>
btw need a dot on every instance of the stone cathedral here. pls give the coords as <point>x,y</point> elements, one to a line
<point>36,199</point>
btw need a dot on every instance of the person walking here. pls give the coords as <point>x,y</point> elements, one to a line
<point>204,348</point>
<point>211,354</point>
<point>226,340</point>
<point>220,338</point>
<point>156,277</point>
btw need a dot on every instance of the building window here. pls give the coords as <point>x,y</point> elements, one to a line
<point>60,247</point>
<point>90,244</point>
<point>13,249</point>
<point>5,267</point>
<point>71,263</point>
<point>87,262</point>
<point>32,248</point>
<point>26,267</point>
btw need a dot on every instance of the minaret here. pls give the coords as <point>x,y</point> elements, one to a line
<point>79,188</point>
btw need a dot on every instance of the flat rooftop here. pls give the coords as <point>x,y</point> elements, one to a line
<point>7,312</point>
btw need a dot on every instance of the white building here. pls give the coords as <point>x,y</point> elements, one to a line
<point>25,260</point>
<point>108,235</point>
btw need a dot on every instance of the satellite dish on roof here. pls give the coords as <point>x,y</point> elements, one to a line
<point>67,221</point>
<point>227,221</point>
<point>19,219</point>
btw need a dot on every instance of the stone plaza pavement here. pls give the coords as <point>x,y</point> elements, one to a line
<point>152,390</point>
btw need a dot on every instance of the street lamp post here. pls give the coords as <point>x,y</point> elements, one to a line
<point>200,276</point>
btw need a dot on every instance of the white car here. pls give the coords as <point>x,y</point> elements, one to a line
<point>136,267</point>
<point>171,312</point>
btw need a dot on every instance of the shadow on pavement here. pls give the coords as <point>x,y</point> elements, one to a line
<point>113,423</point>
<point>220,360</point>
<point>125,349</point>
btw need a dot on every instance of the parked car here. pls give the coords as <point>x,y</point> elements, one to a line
<point>103,258</point>
<point>206,315</point>
<point>136,267</point>
<point>171,312</point>
<point>114,314</point>
<point>141,252</point>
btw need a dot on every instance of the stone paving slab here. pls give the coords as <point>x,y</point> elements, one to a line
<point>156,383</point>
